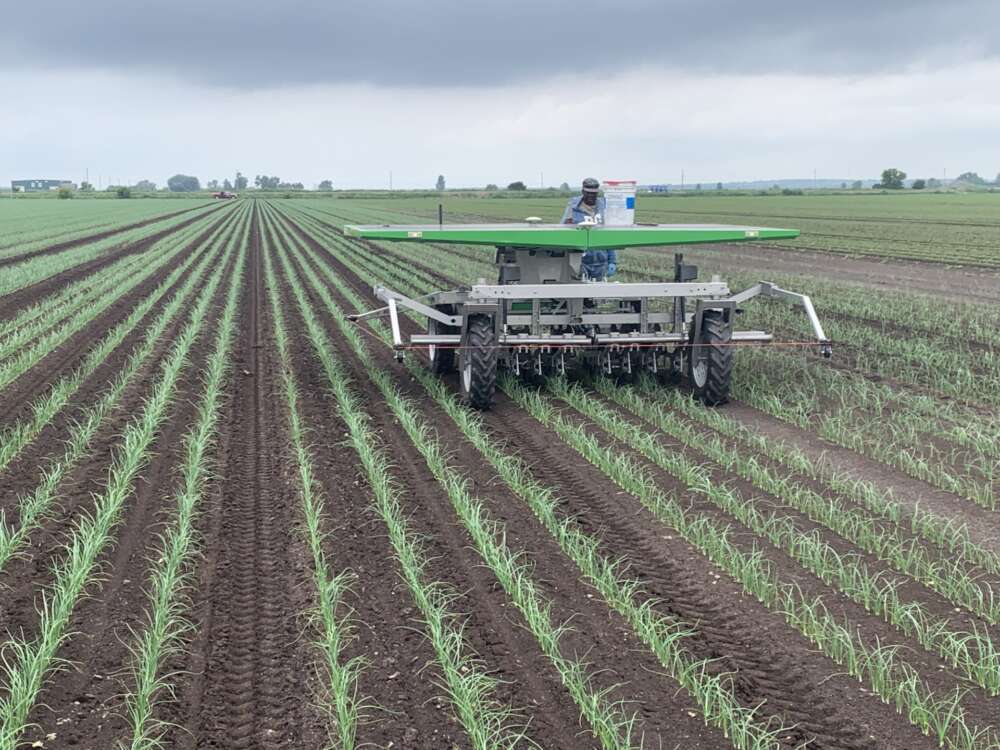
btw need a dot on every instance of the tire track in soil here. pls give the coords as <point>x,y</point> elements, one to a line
<point>787,675</point>
<point>627,667</point>
<point>88,694</point>
<point>12,302</point>
<point>247,686</point>
<point>68,244</point>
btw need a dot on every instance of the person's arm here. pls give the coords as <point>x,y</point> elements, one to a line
<point>567,217</point>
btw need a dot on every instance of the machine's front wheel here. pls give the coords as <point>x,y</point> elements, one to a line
<point>442,358</point>
<point>478,362</point>
<point>711,361</point>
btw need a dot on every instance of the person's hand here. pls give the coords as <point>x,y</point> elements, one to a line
<point>612,267</point>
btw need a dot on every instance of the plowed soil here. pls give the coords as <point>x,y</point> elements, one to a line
<point>246,671</point>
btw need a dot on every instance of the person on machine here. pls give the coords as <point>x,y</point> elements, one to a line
<point>589,209</point>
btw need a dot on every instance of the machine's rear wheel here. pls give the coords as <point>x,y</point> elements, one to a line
<point>478,360</point>
<point>442,359</point>
<point>711,364</point>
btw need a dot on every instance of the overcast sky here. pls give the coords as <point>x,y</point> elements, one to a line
<point>498,91</point>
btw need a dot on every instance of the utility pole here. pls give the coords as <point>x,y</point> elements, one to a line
<point>682,179</point>
<point>390,180</point>
<point>541,180</point>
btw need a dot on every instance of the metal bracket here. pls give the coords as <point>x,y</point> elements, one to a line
<point>387,295</point>
<point>767,289</point>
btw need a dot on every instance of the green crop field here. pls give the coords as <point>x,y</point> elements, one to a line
<point>230,517</point>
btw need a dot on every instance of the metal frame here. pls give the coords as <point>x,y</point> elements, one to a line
<point>483,298</point>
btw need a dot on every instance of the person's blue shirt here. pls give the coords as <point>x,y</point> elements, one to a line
<point>598,264</point>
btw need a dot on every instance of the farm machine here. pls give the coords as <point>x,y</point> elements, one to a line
<point>543,316</point>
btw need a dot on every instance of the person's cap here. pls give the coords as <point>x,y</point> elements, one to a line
<point>590,185</point>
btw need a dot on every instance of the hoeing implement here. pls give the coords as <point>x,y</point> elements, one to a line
<point>543,315</point>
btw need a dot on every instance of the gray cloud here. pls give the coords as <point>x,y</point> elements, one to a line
<point>239,44</point>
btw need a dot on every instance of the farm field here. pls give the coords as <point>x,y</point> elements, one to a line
<point>230,519</point>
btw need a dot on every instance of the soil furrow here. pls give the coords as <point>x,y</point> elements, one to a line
<point>248,670</point>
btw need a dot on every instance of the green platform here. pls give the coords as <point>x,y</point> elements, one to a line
<point>580,238</point>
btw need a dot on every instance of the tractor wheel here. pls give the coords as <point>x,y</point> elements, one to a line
<point>713,372</point>
<point>478,372</point>
<point>442,358</point>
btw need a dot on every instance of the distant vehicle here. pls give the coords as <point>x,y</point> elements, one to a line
<point>223,195</point>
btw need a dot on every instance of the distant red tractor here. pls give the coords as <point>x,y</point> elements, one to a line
<point>223,195</point>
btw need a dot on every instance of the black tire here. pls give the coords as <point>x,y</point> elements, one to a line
<point>712,377</point>
<point>478,373</point>
<point>442,360</point>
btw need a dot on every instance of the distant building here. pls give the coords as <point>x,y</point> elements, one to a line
<point>38,186</point>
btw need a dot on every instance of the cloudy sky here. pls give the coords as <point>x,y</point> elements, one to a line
<point>497,91</point>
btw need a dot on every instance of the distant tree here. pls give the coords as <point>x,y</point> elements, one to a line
<point>123,192</point>
<point>843,186</point>
<point>698,186</point>
<point>182,183</point>
<point>212,185</point>
<point>518,185</point>
<point>86,187</point>
<point>997,180</point>
<point>564,187</point>
<point>144,186</point>
<point>439,185</point>
<point>491,186</point>
<point>857,185</point>
<point>326,185</point>
<point>241,182</point>
<point>290,186</point>
<point>227,185</point>
<point>970,178</point>
<point>718,186</point>
<point>933,183</point>
<point>919,184</point>
<point>263,182</point>
<point>65,193</point>
<point>892,179</point>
